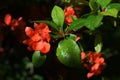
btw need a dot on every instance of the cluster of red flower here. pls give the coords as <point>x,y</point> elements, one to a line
<point>39,38</point>
<point>93,62</point>
<point>13,23</point>
<point>69,11</point>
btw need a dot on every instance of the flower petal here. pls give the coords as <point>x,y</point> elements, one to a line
<point>29,31</point>
<point>89,74</point>
<point>36,37</point>
<point>7,19</point>
<point>95,67</point>
<point>37,45</point>
<point>46,47</point>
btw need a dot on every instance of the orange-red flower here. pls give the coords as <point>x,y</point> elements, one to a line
<point>12,22</point>
<point>39,38</point>
<point>69,11</point>
<point>94,62</point>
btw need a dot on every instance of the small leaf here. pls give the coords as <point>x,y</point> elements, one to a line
<point>103,3</point>
<point>38,59</point>
<point>50,23</point>
<point>114,5</point>
<point>98,43</point>
<point>58,16</point>
<point>68,53</point>
<point>111,12</point>
<point>93,21</point>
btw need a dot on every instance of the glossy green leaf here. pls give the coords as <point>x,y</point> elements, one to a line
<point>93,21</point>
<point>98,43</point>
<point>50,23</point>
<point>58,16</point>
<point>38,59</point>
<point>111,12</point>
<point>68,53</point>
<point>103,3</point>
<point>114,5</point>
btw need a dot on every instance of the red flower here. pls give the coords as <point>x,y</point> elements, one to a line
<point>39,38</point>
<point>93,62</point>
<point>12,22</point>
<point>69,11</point>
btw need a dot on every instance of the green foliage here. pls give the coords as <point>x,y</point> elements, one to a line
<point>71,36</point>
<point>98,43</point>
<point>91,22</point>
<point>103,3</point>
<point>68,53</point>
<point>77,24</point>
<point>38,59</point>
<point>93,5</point>
<point>58,16</point>
<point>111,12</point>
<point>93,27</point>
<point>114,5</point>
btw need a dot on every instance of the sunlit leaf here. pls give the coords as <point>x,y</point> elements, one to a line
<point>114,5</point>
<point>68,53</point>
<point>58,16</point>
<point>110,12</point>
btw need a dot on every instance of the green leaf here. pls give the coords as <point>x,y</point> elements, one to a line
<point>90,21</point>
<point>50,23</point>
<point>37,77</point>
<point>103,3</point>
<point>77,24</point>
<point>71,36</point>
<point>55,35</point>
<point>38,59</point>
<point>93,5</point>
<point>111,12</point>
<point>98,43</point>
<point>68,53</point>
<point>93,21</point>
<point>66,1</point>
<point>58,16</point>
<point>114,5</point>
<point>73,18</point>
